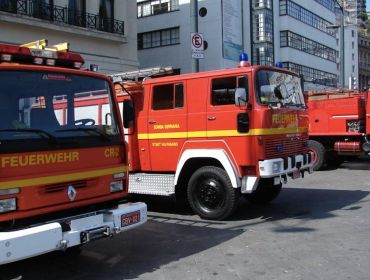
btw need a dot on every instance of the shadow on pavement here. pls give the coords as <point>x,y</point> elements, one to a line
<point>173,233</point>
<point>130,255</point>
<point>358,163</point>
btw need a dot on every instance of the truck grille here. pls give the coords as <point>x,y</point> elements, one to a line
<point>290,146</point>
<point>64,186</point>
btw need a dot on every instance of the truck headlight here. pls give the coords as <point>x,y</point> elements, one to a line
<point>7,205</point>
<point>10,191</point>
<point>119,175</point>
<point>116,186</point>
<point>276,167</point>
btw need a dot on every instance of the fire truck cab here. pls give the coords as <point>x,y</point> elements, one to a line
<point>63,167</point>
<point>213,136</point>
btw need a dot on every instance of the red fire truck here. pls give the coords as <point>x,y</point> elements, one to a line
<point>339,125</point>
<point>64,169</point>
<point>213,136</point>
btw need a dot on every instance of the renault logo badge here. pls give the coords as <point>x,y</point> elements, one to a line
<point>71,193</point>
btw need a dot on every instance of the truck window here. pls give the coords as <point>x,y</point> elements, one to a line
<point>54,107</point>
<point>274,87</point>
<point>170,96</point>
<point>223,91</point>
<point>35,112</point>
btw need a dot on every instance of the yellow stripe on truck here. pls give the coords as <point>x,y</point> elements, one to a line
<point>222,133</point>
<point>61,178</point>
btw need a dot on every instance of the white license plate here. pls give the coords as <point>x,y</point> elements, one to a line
<point>130,219</point>
<point>296,174</point>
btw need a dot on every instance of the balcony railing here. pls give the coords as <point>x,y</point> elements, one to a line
<point>54,13</point>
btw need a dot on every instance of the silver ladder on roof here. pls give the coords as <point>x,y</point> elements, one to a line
<point>141,73</point>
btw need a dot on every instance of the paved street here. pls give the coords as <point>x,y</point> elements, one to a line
<point>318,228</point>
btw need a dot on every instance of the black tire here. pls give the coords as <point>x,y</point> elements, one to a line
<point>320,156</point>
<point>265,193</point>
<point>211,194</point>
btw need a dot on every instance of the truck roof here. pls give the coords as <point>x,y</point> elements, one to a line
<point>222,72</point>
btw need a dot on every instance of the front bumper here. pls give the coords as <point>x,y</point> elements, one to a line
<point>286,166</point>
<point>281,169</point>
<point>37,240</point>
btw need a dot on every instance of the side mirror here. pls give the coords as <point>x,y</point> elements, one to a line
<point>241,97</point>
<point>128,113</point>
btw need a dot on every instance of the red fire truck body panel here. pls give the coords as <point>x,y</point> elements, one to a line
<point>195,123</point>
<point>338,125</point>
<point>367,115</point>
<point>63,158</point>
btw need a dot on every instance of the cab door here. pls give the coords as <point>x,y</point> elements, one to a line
<point>167,125</point>
<point>225,120</point>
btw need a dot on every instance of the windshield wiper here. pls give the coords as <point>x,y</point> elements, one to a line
<point>40,132</point>
<point>88,130</point>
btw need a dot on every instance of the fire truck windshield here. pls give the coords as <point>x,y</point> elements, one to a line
<point>40,110</point>
<point>273,88</point>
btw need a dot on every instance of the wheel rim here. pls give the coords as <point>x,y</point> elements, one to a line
<point>209,194</point>
<point>314,154</point>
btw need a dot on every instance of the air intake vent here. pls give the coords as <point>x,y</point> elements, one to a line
<point>64,186</point>
<point>288,147</point>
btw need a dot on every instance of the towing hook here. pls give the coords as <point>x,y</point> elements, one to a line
<point>284,179</point>
<point>117,230</point>
<point>63,245</point>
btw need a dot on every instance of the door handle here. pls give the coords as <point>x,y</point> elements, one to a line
<point>211,118</point>
<point>152,122</point>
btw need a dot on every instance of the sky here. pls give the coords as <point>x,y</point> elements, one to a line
<point>367,5</point>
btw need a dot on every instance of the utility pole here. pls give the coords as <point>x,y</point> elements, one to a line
<point>342,46</point>
<point>194,28</point>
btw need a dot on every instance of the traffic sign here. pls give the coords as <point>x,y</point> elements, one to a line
<point>197,45</point>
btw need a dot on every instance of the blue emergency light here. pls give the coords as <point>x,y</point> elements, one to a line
<point>279,64</point>
<point>243,60</point>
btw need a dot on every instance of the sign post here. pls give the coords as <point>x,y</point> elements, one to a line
<point>197,45</point>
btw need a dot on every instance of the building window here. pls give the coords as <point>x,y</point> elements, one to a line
<point>329,4</point>
<point>290,39</point>
<point>77,12</point>
<point>312,75</point>
<point>353,33</point>
<point>106,15</point>
<point>353,45</point>
<point>42,9</point>
<point>158,38</point>
<point>73,14</point>
<point>263,54</point>
<point>155,7</point>
<point>292,9</point>
<point>262,26</point>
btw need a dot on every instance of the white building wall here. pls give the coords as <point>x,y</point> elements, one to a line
<point>112,52</point>
<point>179,56</point>
<point>351,55</point>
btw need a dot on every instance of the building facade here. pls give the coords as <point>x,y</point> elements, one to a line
<point>104,32</point>
<point>361,6</point>
<point>364,61</point>
<point>296,33</point>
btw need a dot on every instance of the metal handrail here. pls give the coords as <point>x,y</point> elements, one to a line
<point>59,14</point>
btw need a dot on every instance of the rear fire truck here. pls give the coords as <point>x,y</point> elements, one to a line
<point>213,136</point>
<point>339,125</point>
<point>64,168</point>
